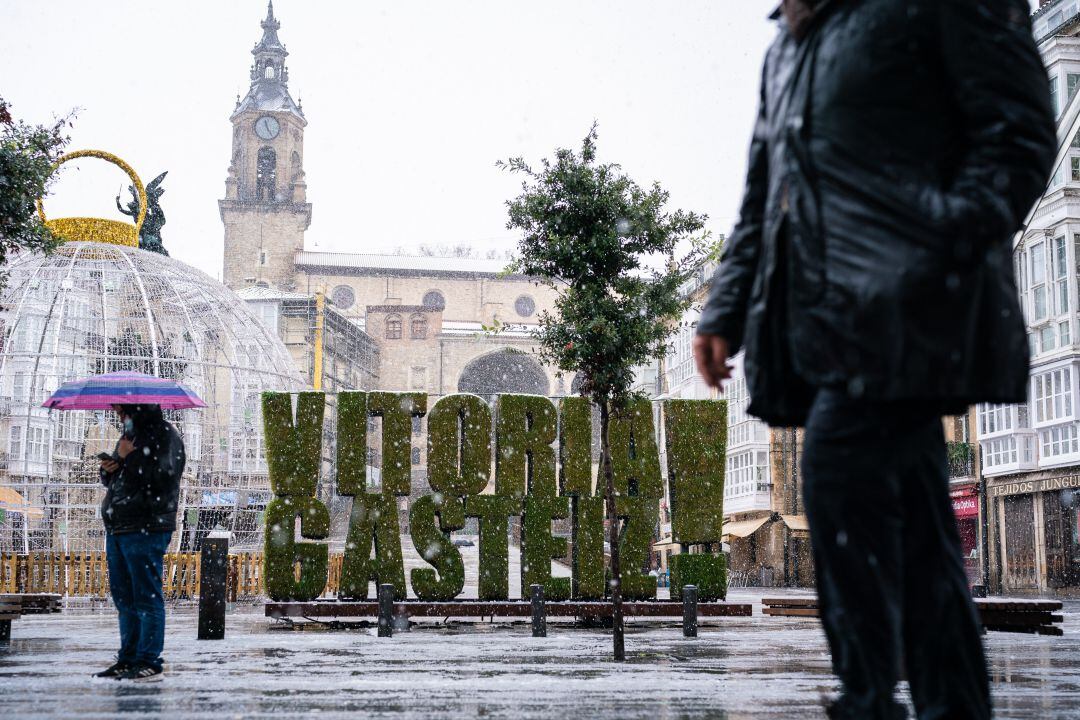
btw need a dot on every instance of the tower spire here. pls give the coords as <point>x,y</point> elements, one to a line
<point>269,74</point>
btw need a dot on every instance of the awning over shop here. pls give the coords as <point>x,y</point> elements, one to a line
<point>797,523</point>
<point>11,501</point>
<point>744,528</point>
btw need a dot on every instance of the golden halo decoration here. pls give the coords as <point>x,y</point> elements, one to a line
<point>102,230</point>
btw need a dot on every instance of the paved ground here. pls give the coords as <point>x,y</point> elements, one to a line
<point>755,667</point>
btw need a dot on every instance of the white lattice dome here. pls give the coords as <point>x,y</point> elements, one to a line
<point>91,308</point>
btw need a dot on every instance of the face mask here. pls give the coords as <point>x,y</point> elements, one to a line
<point>129,427</point>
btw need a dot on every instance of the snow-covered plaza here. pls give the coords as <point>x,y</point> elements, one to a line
<point>737,668</point>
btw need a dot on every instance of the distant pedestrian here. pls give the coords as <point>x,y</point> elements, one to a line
<point>139,512</point>
<point>899,145</point>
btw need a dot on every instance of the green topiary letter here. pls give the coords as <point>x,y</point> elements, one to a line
<point>295,571</point>
<point>397,411</point>
<point>432,540</point>
<point>575,447</point>
<point>639,516</point>
<point>539,547</point>
<point>493,512</point>
<point>373,522</point>
<point>588,537</point>
<point>459,445</point>
<point>293,450</point>
<point>352,443</point>
<point>635,462</point>
<point>706,571</point>
<point>696,438</point>
<point>526,431</point>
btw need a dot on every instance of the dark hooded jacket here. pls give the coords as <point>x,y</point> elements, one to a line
<point>899,145</point>
<point>142,495</point>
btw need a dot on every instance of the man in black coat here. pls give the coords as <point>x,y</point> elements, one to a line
<point>139,513</point>
<point>899,145</point>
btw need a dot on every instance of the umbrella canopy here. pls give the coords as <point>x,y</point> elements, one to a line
<point>101,392</point>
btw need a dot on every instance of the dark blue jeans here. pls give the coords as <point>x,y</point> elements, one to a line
<point>890,576</point>
<point>135,561</point>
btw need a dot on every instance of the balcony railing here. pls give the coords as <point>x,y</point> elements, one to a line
<point>961,459</point>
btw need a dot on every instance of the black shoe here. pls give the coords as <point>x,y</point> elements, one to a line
<point>141,673</point>
<point>114,670</point>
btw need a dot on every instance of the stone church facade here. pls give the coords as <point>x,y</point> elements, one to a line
<point>428,318</point>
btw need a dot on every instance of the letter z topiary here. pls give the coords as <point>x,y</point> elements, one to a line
<point>705,571</point>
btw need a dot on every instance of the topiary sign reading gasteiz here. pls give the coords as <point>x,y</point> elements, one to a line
<point>534,454</point>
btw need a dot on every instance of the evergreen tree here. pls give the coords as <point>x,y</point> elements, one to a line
<point>608,246</point>
<point>27,155</point>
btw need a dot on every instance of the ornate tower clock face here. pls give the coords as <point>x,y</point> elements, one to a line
<point>267,127</point>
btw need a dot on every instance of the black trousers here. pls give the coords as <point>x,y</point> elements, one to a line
<point>890,576</point>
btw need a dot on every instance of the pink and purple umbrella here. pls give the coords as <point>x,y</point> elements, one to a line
<point>101,392</point>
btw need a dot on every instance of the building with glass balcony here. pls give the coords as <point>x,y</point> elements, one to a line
<point>1030,452</point>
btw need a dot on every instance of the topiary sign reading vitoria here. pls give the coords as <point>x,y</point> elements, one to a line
<point>540,459</point>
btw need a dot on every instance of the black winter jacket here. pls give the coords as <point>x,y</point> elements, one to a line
<point>142,495</point>
<point>898,146</point>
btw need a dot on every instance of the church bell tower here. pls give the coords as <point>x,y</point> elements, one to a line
<point>265,210</point>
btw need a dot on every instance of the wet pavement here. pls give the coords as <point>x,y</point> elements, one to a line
<point>756,667</point>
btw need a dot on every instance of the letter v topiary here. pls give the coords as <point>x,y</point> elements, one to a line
<point>294,571</point>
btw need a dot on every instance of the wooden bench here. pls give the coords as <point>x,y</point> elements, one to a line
<point>332,609</point>
<point>14,606</point>
<point>1002,615</point>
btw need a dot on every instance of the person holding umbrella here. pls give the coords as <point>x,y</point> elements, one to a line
<point>142,480</point>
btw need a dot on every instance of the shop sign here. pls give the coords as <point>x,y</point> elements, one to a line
<point>965,501</point>
<point>1033,486</point>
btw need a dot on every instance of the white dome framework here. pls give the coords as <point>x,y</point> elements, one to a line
<point>90,308</point>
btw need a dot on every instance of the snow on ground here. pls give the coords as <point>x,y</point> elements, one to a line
<point>738,668</point>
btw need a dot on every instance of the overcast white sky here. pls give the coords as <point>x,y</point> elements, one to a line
<point>409,103</point>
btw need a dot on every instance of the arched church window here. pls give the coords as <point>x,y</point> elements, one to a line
<point>266,175</point>
<point>295,159</point>
<point>418,327</point>
<point>393,327</point>
<point>269,73</point>
<point>434,300</point>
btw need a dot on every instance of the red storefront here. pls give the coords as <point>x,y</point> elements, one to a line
<point>965,502</point>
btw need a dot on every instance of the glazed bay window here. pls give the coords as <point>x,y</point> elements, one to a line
<point>1058,441</point>
<point>1038,282</point>
<point>995,419</point>
<point>1001,451</point>
<point>1052,395</point>
<point>1061,276</point>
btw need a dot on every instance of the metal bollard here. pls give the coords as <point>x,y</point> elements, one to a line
<point>539,612</point>
<point>214,574</point>
<point>386,610</point>
<point>689,611</point>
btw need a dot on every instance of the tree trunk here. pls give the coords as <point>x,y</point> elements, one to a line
<point>613,533</point>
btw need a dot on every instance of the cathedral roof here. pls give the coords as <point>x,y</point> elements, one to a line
<point>376,264</point>
<point>258,292</point>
